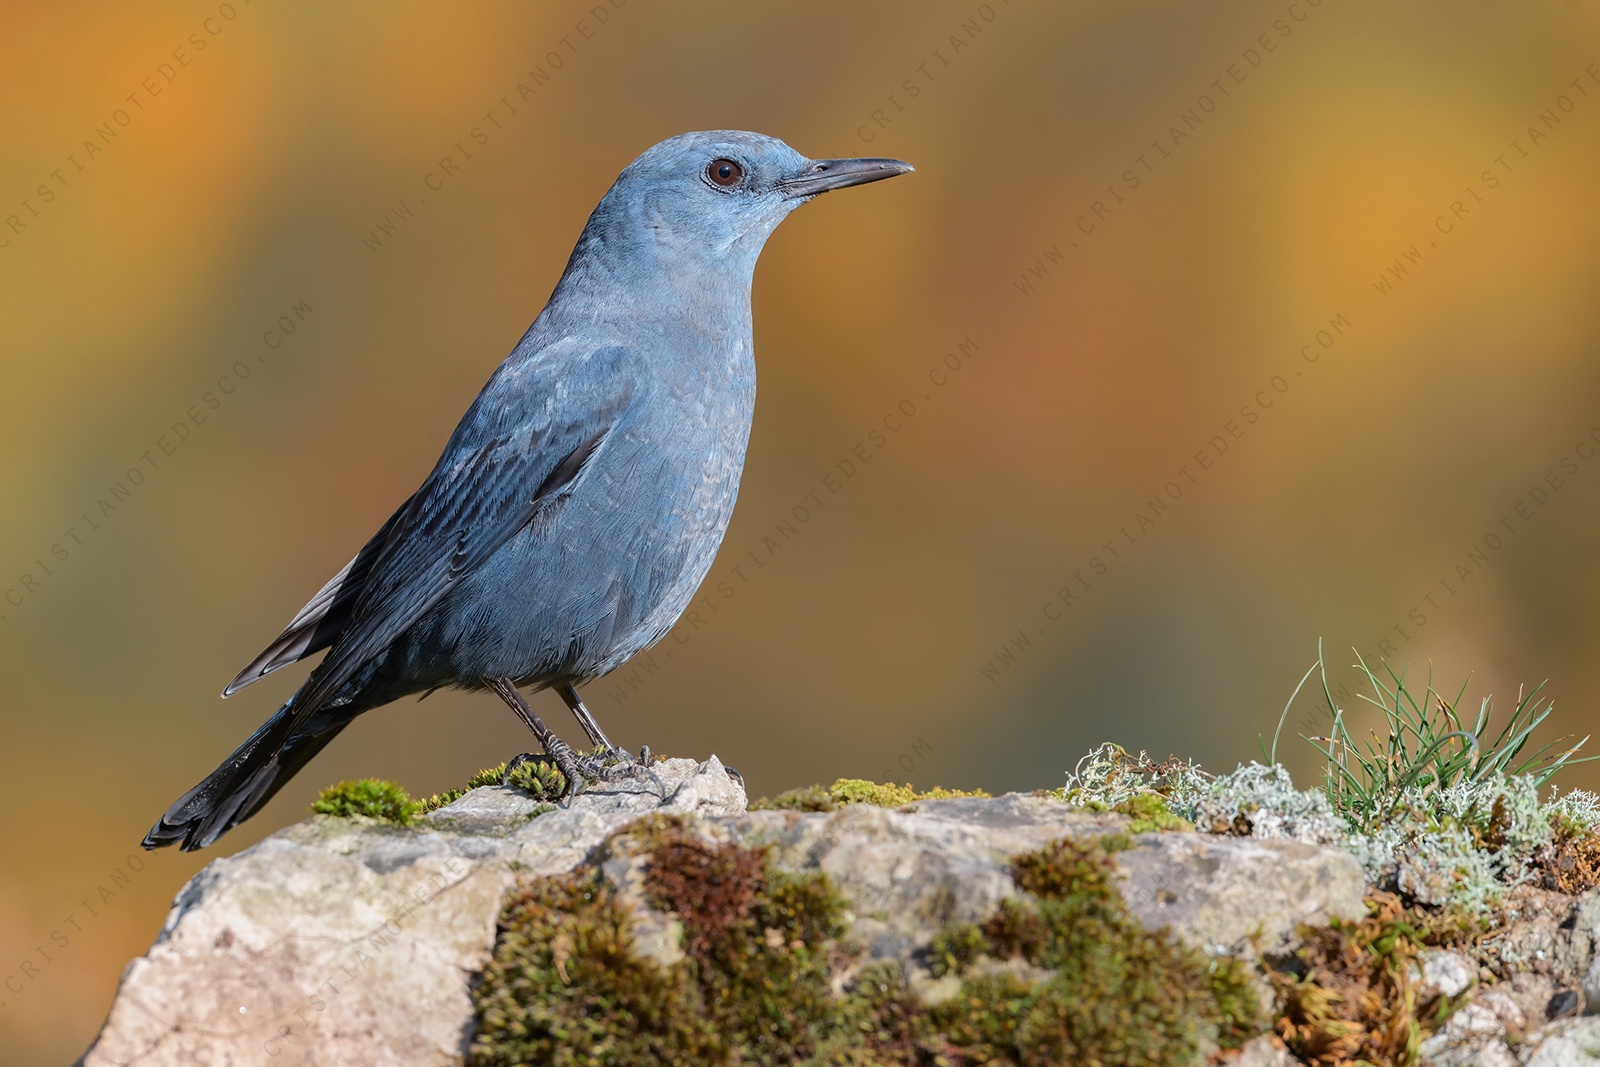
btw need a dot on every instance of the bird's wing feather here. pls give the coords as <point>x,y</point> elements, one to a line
<point>525,441</point>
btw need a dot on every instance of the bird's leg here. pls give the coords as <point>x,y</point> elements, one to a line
<point>558,750</point>
<point>609,763</point>
<point>597,736</point>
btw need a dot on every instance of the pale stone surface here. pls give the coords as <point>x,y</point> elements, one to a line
<point>1447,973</point>
<point>351,942</point>
<point>1568,1043</point>
<point>348,942</point>
<point>906,872</point>
<point>1474,1037</point>
<point>1263,1052</point>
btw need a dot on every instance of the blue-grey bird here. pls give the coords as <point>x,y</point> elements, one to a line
<point>579,503</point>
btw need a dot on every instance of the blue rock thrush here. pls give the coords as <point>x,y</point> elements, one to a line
<point>579,503</point>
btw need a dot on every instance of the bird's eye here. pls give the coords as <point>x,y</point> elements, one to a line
<point>724,172</point>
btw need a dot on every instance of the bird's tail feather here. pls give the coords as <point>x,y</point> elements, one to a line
<point>244,782</point>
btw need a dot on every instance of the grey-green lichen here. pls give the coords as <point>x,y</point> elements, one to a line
<point>1465,845</point>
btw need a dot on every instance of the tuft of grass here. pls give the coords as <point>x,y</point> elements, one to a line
<point>1429,748</point>
<point>846,791</point>
<point>375,798</point>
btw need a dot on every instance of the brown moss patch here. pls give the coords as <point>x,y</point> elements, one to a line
<point>565,987</point>
<point>715,889</point>
<point>760,940</point>
<point>1571,862</point>
<point>1351,994</point>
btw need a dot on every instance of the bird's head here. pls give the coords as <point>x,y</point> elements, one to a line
<point>718,195</point>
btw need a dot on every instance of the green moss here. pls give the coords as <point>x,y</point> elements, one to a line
<point>979,1024</point>
<point>540,779</point>
<point>1118,993</point>
<point>807,798</point>
<point>375,798</point>
<point>955,948</point>
<point>846,791</point>
<point>759,940</point>
<point>439,800</point>
<point>1239,1014</point>
<point>880,1022</point>
<point>1150,812</point>
<point>565,987</point>
<point>759,980</point>
<point>381,799</point>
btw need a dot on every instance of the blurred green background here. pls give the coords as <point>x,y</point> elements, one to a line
<point>1128,225</point>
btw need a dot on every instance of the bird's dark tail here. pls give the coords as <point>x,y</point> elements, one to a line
<point>245,781</point>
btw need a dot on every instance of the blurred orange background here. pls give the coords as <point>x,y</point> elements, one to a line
<point>1201,333</point>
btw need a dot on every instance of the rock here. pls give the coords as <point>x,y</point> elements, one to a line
<point>1569,1043</point>
<point>1473,1037</point>
<point>911,870</point>
<point>1222,892</point>
<point>345,941</point>
<point>1447,973</point>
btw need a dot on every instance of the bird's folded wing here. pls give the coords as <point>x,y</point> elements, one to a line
<point>525,442</point>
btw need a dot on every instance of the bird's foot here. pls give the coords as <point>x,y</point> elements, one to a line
<point>646,757</point>
<point>559,774</point>
<point>614,766</point>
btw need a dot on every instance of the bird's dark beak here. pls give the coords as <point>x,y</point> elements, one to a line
<point>822,175</point>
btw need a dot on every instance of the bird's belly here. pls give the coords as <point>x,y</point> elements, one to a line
<point>601,574</point>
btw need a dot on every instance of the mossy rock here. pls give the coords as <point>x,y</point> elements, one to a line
<point>847,791</point>
<point>1117,994</point>
<point>765,978</point>
<point>386,801</point>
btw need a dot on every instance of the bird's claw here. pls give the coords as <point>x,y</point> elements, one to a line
<point>610,766</point>
<point>617,765</point>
